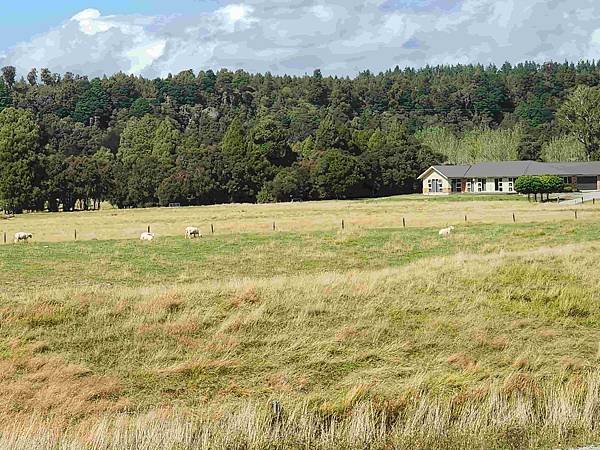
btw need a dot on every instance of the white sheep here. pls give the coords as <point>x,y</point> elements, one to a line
<point>446,231</point>
<point>147,236</point>
<point>22,236</point>
<point>192,232</point>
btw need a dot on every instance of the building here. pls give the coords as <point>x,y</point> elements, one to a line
<point>499,177</point>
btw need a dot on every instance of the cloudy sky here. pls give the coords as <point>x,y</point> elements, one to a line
<point>342,37</point>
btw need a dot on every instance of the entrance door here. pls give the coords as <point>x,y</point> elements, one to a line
<point>436,186</point>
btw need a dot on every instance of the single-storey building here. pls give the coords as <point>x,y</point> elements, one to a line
<point>499,177</point>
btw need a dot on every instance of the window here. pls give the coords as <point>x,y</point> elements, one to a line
<point>511,185</point>
<point>498,184</point>
<point>434,185</point>
<point>481,185</point>
<point>469,186</point>
<point>566,180</point>
<point>456,185</point>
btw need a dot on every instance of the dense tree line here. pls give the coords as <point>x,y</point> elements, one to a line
<point>69,142</point>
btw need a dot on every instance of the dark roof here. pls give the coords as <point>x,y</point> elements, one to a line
<point>515,169</point>
<point>499,169</point>
<point>452,171</point>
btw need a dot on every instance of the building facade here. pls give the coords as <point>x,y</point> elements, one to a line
<point>500,177</point>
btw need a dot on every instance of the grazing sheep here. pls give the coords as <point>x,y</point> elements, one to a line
<point>192,232</point>
<point>21,236</point>
<point>446,231</point>
<point>147,236</point>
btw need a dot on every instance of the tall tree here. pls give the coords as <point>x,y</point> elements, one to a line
<point>32,77</point>
<point>19,136</point>
<point>5,100</point>
<point>8,74</point>
<point>580,115</point>
<point>94,105</point>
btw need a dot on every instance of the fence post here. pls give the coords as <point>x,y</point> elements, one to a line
<point>148,228</point>
<point>575,214</point>
<point>343,225</point>
<point>514,218</point>
<point>403,222</point>
<point>212,229</point>
<point>75,234</point>
<point>273,226</point>
<point>465,217</point>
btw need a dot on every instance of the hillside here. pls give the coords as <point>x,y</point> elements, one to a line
<point>381,337</point>
<point>68,142</point>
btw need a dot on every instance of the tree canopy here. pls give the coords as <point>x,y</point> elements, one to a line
<point>193,138</point>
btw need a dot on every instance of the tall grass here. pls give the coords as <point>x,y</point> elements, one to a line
<point>515,415</point>
<point>368,339</point>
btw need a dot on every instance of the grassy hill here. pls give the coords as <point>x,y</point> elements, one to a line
<point>381,338</point>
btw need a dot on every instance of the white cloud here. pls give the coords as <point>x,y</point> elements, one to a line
<point>90,22</point>
<point>338,36</point>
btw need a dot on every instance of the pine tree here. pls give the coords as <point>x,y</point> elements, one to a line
<point>19,136</point>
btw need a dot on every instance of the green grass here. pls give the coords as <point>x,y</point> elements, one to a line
<point>497,317</point>
<point>175,260</point>
<point>465,197</point>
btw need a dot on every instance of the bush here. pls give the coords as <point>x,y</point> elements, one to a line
<point>539,184</point>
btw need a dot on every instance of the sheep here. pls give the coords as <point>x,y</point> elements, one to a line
<point>192,232</point>
<point>446,231</point>
<point>22,236</point>
<point>147,236</point>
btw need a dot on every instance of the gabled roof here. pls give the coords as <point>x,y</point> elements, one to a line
<point>513,169</point>
<point>447,171</point>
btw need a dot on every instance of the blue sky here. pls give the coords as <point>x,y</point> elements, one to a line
<point>340,37</point>
<point>19,20</point>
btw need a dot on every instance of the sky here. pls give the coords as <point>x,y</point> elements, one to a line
<point>340,37</point>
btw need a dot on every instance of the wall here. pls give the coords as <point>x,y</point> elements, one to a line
<point>446,188</point>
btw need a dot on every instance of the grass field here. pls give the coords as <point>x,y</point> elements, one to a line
<point>375,336</point>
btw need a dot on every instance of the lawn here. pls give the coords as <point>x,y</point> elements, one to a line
<point>381,337</point>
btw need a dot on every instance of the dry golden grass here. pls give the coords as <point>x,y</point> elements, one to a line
<point>111,223</point>
<point>367,338</point>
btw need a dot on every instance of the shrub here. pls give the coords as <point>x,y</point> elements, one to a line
<point>539,184</point>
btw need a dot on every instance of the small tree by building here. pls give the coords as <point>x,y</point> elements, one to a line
<point>539,184</point>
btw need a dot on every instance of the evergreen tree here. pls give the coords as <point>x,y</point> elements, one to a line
<point>5,100</point>
<point>19,136</point>
<point>94,104</point>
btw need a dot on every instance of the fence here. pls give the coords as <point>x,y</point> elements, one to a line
<point>344,224</point>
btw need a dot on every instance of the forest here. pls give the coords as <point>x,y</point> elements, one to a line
<point>69,142</point>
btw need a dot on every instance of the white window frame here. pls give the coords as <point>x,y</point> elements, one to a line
<point>511,184</point>
<point>499,184</point>
<point>456,185</point>
<point>481,182</point>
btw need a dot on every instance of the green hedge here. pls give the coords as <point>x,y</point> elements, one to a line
<point>539,184</point>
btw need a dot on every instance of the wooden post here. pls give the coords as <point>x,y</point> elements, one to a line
<point>465,217</point>
<point>575,214</point>
<point>273,226</point>
<point>343,225</point>
<point>148,228</point>
<point>212,229</point>
<point>75,234</point>
<point>514,218</point>
<point>403,222</point>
